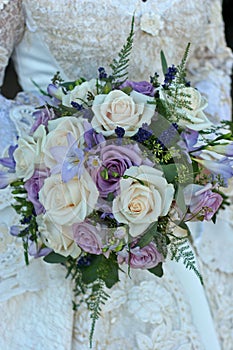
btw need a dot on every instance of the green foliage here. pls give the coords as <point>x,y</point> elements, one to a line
<point>181,71</point>
<point>119,66</point>
<point>95,301</point>
<point>55,258</point>
<point>180,250</point>
<point>90,283</point>
<point>148,236</point>
<point>157,270</point>
<point>101,268</point>
<point>163,62</point>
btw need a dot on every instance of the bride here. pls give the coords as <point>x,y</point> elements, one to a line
<point>75,37</point>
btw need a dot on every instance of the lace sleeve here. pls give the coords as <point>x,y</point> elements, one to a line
<point>11,30</point>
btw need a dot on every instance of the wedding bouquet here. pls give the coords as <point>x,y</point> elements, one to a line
<point>113,170</point>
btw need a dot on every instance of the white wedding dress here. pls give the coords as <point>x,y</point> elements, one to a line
<point>144,312</point>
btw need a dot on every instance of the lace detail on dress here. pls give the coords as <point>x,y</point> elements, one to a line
<point>15,277</point>
<point>79,52</point>
<point>218,286</point>
<point>11,30</point>
<point>3,3</point>
<point>74,38</point>
<point>154,310</point>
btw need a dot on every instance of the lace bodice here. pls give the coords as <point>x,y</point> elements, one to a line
<point>70,46</point>
<point>75,37</point>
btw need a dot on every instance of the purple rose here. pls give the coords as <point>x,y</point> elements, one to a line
<point>33,186</point>
<point>202,202</point>
<point>116,160</point>
<point>144,87</point>
<point>141,258</point>
<point>87,237</point>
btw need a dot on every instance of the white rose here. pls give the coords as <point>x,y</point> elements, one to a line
<point>79,93</point>
<point>25,157</point>
<point>139,205</point>
<point>57,237</point>
<point>119,109</point>
<point>197,120</point>
<point>70,202</point>
<point>58,131</point>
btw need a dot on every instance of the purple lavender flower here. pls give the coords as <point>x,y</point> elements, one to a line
<point>143,134</point>
<point>42,116</point>
<point>33,186</point>
<point>102,73</point>
<point>169,76</point>
<point>77,106</point>
<point>120,132</point>
<point>144,87</point>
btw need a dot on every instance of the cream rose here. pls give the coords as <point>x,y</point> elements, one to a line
<point>57,237</point>
<point>79,93</point>
<point>120,109</point>
<point>25,157</point>
<point>70,202</point>
<point>196,118</point>
<point>58,131</point>
<point>140,203</point>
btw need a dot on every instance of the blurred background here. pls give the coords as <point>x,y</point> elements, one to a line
<point>11,87</point>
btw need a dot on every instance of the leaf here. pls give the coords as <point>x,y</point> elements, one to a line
<point>54,258</point>
<point>148,236</point>
<point>100,267</point>
<point>170,172</point>
<point>104,174</point>
<point>107,88</point>
<point>163,62</point>
<point>110,276</point>
<point>90,273</point>
<point>157,270</point>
